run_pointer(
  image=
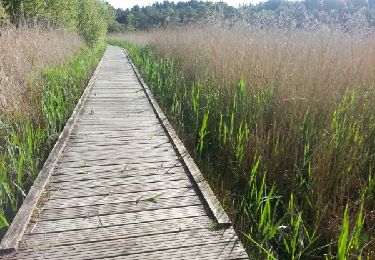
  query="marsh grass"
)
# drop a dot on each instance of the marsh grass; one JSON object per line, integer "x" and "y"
{"x": 282, "y": 125}
{"x": 24, "y": 52}
{"x": 44, "y": 74}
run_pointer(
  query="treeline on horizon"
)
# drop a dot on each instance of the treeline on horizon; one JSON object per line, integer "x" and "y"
{"x": 307, "y": 14}
{"x": 281, "y": 14}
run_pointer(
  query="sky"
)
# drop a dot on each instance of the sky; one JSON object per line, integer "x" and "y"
{"x": 130, "y": 3}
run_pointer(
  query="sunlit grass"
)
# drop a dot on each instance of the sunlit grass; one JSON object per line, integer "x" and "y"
{"x": 49, "y": 99}
{"x": 287, "y": 142}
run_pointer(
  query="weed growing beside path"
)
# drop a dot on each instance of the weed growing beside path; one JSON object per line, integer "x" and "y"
{"x": 24, "y": 52}
{"x": 294, "y": 166}
{"x": 40, "y": 86}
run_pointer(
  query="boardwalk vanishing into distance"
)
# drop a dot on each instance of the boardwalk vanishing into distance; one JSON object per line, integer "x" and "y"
{"x": 120, "y": 187}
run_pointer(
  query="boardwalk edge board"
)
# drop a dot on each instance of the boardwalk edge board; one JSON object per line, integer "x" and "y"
{"x": 205, "y": 190}
{"x": 13, "y": 236}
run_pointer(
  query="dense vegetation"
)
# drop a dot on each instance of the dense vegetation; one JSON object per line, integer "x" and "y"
{"x": 308, "y": 14}
{"x": 282, "y": 125}
{"x": 26, "y": 143}
{"x": 279, "y": 114}
{"x": 44, "y": 67}
{"x": 90, "y": 18}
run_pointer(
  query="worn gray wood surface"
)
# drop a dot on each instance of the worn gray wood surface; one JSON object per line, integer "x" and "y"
{"x": 120, "y": 190}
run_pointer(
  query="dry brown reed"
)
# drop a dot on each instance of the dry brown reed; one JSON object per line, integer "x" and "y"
{"x": 311, "y": 72}
{"x": 302, "y": 64}
{"x": 24, "y": 51}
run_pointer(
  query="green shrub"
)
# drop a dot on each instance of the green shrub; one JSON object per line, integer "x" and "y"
{"x": 3, "y": 14}
{"x": 92, "y": 24}
{"x": 91, "y": 18}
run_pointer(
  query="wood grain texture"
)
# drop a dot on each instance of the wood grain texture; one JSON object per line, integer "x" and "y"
{"x": 120, "y": 189}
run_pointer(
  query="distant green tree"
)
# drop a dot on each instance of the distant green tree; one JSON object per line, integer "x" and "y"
{"x": 110, "y": 16}
{"x": 62, "y": 12}
{"x": 3, "y": 14}
{"x": 55, "y": 12}
{"x": 126, "y": 18}
{"x": 166, "y": 13}
{"x": 92, "y": 23}
{"x": 130, "y": 20}
{"x": 13, "y": 9}
{"x": 301, "y": 14}
{"x": 33, "y": 9}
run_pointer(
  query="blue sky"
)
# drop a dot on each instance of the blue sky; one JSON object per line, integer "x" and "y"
{"x": 130, "y": 3}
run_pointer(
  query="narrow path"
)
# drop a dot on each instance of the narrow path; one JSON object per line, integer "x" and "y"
{"x": 119, "y": 189}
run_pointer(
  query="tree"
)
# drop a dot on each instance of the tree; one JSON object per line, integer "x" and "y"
{"x": 33, "y": 9}
{"x": 130, "y": 20}
{"x": 62, "y": 12}
{"x": 110, "y": 17}
{"x": 3, "y": 14}
{"x": 13, "y": 9}
{"x": 92, "y": 24}
{"x": 55, "y": 12}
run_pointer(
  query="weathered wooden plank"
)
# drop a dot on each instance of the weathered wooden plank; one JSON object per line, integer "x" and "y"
{"x": 130, "y": 163}
{"x": 62, "y": 190}
{"x": 125, "y": 141}
{"x": 105, "y": 138}
{"x": 131, "y": 197}
{"x": 145, "y": 120}
{"x": 122, "y": 130}
{"x": 124, "y": 153}
{"x": 219, "y": 251}
{"x": 92, "y": 182}
{"x": 119, "y": 152}
{"x": 84, "y": 159}
{"x": 117, "y": 247}
{"x": 136, "y": 121}
{"x": 156, "y": 176}
{"x": 117, "y": 232}
{"x": 117, "y": 171}
{"x": 112, "y": 146}
{"x": 108, "y": 138}
{"x": 93, "y": 221}
{"x": 112, "y": 134}
{"x": 106, "y": 207}
{"x": 130, "y": 101}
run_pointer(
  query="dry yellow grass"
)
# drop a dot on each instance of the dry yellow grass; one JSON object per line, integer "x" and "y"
{"x": 24, "y": 51}
{"x": 323, "y": 106}
{"x": 42, "y": 75}
{"x": 302, "y": 64}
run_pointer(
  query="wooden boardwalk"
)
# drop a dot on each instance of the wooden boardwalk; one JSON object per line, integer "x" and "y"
{"x": 120, "y": 189}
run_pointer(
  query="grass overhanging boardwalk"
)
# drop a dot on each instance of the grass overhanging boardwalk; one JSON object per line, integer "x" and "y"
{"x": 120, "y": 190}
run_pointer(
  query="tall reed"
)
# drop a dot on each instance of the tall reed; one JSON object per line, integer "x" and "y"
{"x": 282, "y": 125}
{"x": 24, "y": 52}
